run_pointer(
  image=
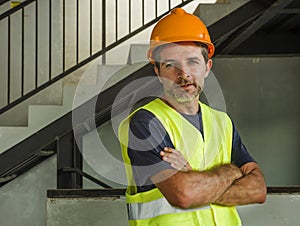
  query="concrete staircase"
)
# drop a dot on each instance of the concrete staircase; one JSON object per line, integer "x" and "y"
{"x": 97, "y": 78}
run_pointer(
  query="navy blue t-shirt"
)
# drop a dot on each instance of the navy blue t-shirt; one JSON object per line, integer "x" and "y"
{"x": 148, "y": 137}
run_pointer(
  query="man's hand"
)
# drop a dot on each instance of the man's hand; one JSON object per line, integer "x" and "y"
{"x": 176, "y": 159}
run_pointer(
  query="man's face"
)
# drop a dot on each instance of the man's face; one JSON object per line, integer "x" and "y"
{"x": 182, "y": 71}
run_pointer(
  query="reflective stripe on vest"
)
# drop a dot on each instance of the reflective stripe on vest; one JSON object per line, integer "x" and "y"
{"x": 139, "y": 211}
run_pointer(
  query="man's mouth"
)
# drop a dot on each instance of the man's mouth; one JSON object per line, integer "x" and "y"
{"x": 186, "y": 85}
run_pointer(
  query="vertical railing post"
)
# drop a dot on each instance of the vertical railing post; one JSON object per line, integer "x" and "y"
{"x": 8, "y": 59}
{"x": 36, "y": 43}
{"x": 64, "y": 36}
{"x": 116, "y": 18}
{"x": 156, "y": 8}
{"x": 143, "y": 12}
{"x": 22, "y": 54}
{"x": 68, "y": 157}
{"x": 77, "y": 31}
{"x": 129, "y": 17}
{"x": 78, "y": 159}
{"x": 91, "y": 27}
{"x": 50, "y": 39}
{"x": 104, "y": 31}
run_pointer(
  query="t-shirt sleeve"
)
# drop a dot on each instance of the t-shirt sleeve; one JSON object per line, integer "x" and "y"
{"x": 147, "y": 138}
{"x": 239, "y": 153}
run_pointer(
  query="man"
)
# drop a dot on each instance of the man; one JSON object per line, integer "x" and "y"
{"x": 185, "y": 162}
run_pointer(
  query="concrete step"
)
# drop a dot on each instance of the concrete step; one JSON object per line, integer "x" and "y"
{"x": 42, "y": 115}
{"x": 85, "y": 89}
{"x": 108, "y": 78}
{"x": 39, "y": 116}
{"x": 138, "y": 53}
{"x": 10, "y": 135}
{"x": 18, "y": 115}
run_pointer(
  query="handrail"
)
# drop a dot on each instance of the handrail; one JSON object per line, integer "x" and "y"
{"x": 17, "y": 70}
{"x": 15, "y": 9}
{"x": 3, "y": 1}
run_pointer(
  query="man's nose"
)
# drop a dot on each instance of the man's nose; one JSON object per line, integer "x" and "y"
{"x": 183, "y": 72}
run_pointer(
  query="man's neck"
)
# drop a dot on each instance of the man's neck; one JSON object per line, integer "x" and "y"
{"x": 189, "y": 108}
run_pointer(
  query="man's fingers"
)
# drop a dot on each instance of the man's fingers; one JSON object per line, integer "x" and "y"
{"x": 169, "y": 150}
{"x": 175, "y": 158}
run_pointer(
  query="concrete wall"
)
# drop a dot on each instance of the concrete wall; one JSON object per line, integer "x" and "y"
{"x": 23, "y": 201}
{"x": 86, "y": 211}
{"x": 262, "y": 96}
{"x": 279, "y": 210}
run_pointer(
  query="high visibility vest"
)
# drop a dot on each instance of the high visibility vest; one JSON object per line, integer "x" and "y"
{"x": 151, "y": 208}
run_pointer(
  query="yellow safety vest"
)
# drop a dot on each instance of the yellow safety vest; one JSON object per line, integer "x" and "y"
{"x": 151, "y": 208}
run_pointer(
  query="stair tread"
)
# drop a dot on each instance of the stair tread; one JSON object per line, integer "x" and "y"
{"x": 10, "y": 136}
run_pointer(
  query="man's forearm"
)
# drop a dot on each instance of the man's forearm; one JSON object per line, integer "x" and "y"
{"x": 214, "y": 183}
{"x": 249, "y": 189}
{"x": 194, "y": 188}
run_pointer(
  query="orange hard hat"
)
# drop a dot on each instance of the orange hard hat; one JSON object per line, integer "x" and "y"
{"x": 179, "y": 26}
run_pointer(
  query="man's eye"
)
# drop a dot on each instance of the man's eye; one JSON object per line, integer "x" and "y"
{"x": 169, "y": 64}
{"x": 194, "y": 62}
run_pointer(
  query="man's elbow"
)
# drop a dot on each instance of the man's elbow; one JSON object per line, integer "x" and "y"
{"x": 260, "y": 187}
{"x": 184, "y": 200}
{"x": 181, "y": 198}
{"x": 262, "y": 196}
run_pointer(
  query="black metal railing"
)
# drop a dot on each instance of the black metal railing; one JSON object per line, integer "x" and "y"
{"x": 2, "y": 2}
{"x": 41, "y": 40}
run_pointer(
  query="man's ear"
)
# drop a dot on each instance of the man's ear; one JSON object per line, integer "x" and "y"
{"x": 208, "y": 67}
{"x": 156, "y": 70}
